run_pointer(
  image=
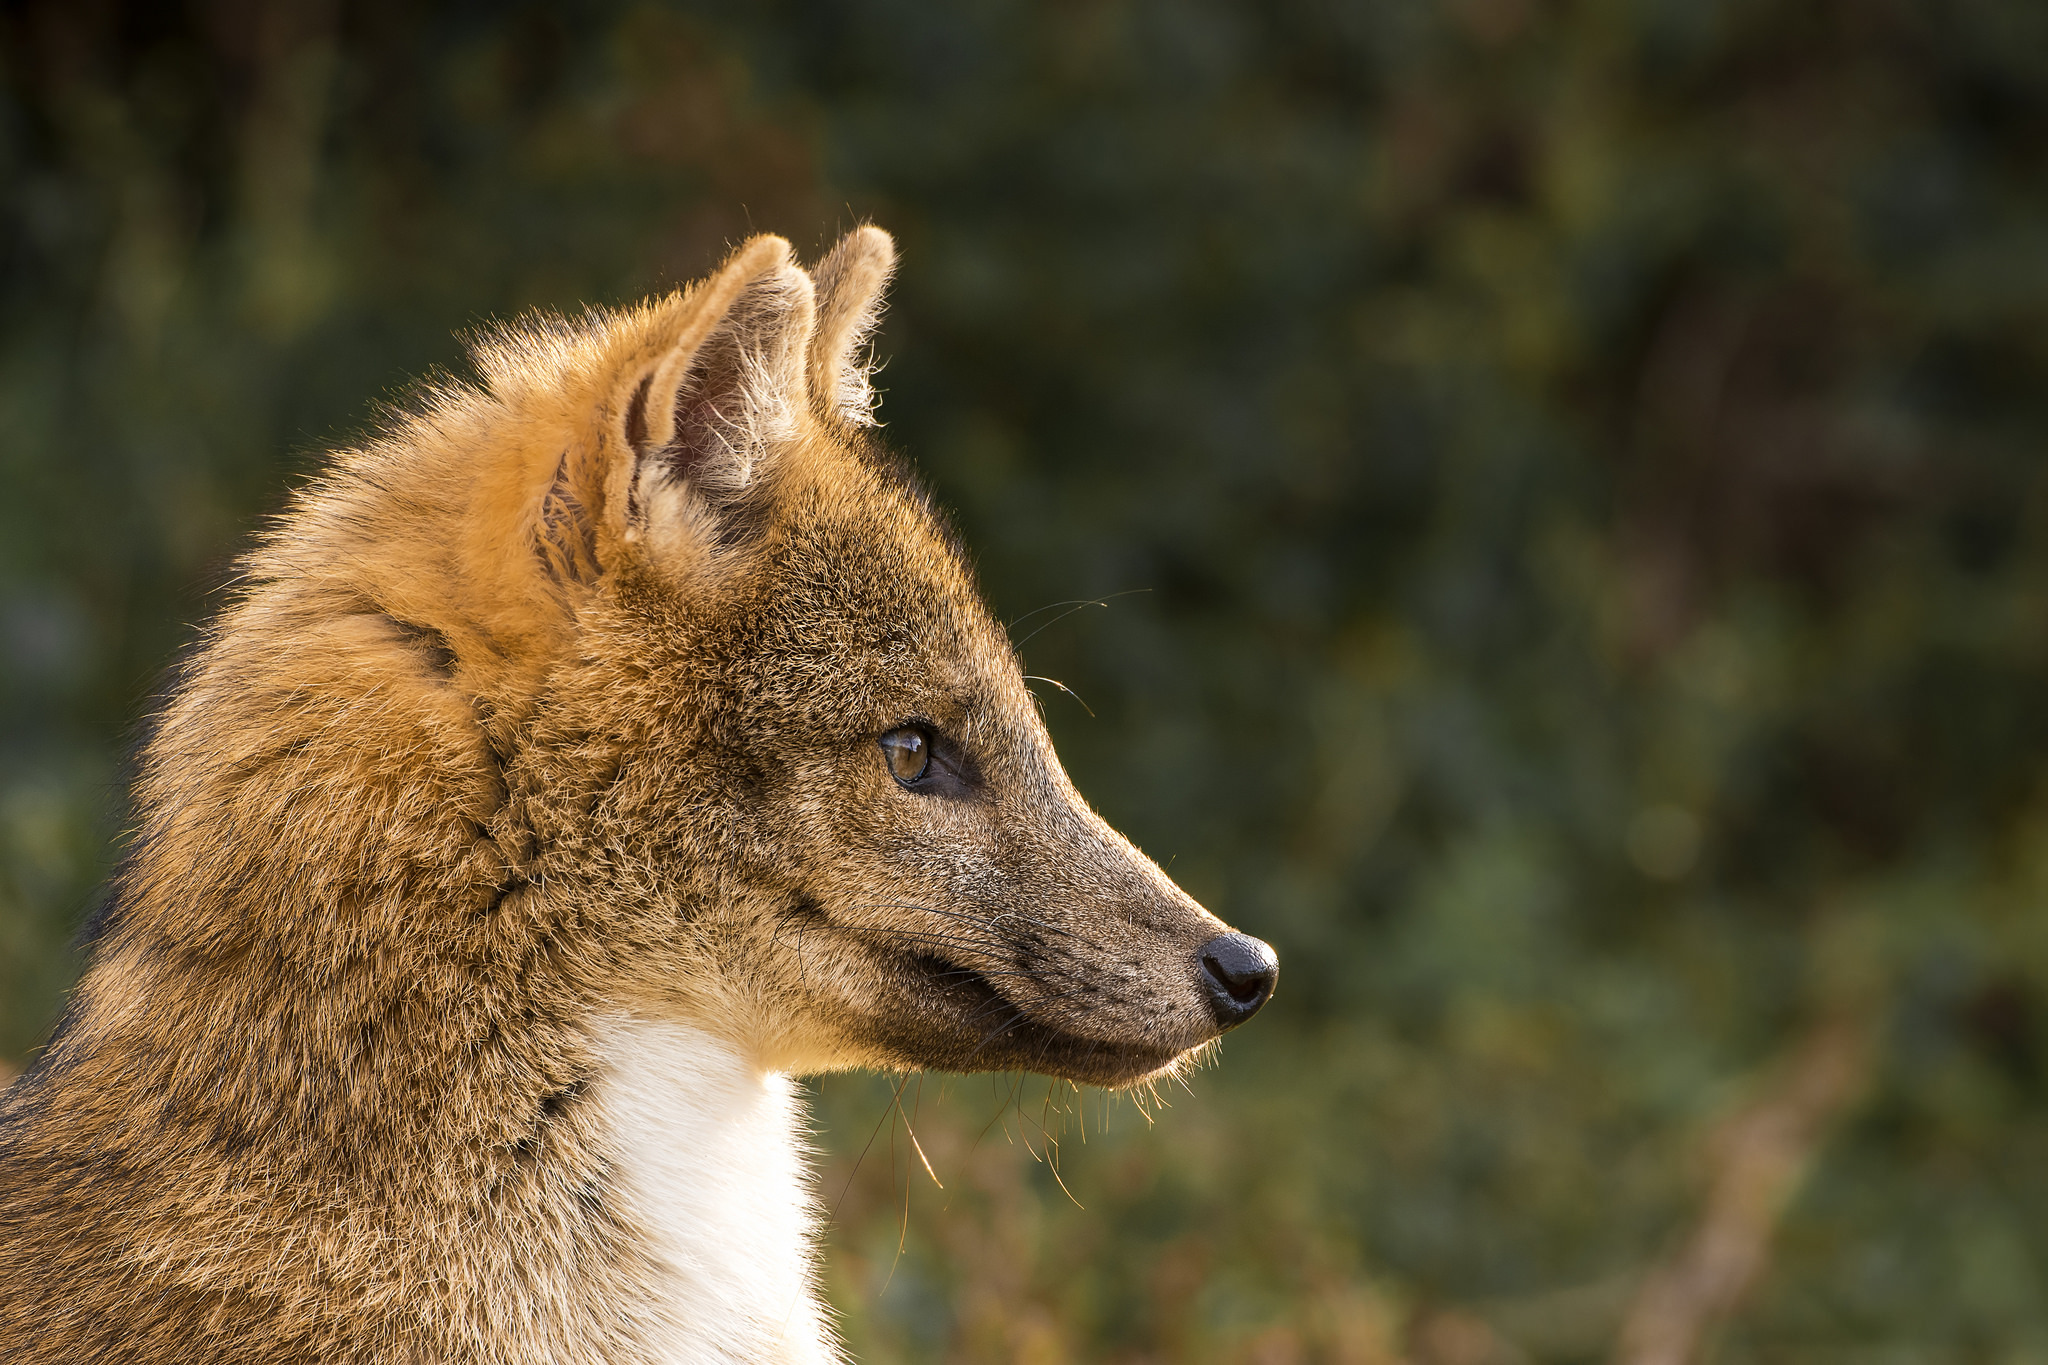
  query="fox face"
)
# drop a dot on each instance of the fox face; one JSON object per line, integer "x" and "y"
{"x": 872, "y": 855}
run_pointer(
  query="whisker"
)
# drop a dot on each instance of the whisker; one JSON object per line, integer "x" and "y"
{"x": 1001, "y": 1001}
{"x": 1040, "y": 677}
{"x": 916, "y": 1146}
{"x": 903, "y": 1235}
{"x": 1016, "y": 1018}
{"x": 1002, "y": 1108}
{"x": 1074, "y": 604}
{"x": 850, "y": 1175}
{"x": 1020, "y": 1016}
{"x": 1078, "y": 606}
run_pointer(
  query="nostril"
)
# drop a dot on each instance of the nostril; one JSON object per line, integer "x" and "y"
{"x": 1240, "y": 973}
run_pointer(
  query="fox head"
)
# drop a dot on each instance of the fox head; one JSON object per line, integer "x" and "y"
{"x": 796, "y": 744}
{"x": 755, "y": 756}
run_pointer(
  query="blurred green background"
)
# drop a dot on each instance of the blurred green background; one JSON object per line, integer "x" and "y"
{"x": 1572, "y": 476}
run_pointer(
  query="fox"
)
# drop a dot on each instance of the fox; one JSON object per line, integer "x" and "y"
{"x": 604, "y": 744}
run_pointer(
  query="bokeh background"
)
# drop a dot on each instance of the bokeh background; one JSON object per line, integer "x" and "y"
{"x": 1562, "y": 484}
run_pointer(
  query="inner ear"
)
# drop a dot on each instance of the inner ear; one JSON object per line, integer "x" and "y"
{"x": 636, "y": 416}
{"x": 732, "y": 405}
{"x": 726, "y": 397}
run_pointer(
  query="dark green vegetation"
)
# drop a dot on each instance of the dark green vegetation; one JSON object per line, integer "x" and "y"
{"x": 1576, "y": 474}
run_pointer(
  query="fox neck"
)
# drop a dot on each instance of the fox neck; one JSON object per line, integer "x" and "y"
{"x": 711, "y": 1167}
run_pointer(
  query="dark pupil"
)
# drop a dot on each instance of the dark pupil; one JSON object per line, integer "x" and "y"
{"x": 908, "y": 753}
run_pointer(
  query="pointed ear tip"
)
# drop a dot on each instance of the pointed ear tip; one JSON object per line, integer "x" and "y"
{"x": 866, "y": 248}
{"x": 768, "y": 263}
{"x": 762, "y": 253}
{"x": 876, "y": 244}
{"x": 873, "y": 238}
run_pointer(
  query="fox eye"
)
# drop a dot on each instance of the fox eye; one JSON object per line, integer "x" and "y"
{"x": 909, "y": 751}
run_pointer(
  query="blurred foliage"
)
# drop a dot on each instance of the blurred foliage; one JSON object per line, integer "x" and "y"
{"x": 1564, "y": 482}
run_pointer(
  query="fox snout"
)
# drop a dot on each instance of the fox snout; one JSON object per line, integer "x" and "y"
{"x": 1107, "y": 1003}
{"x": 999, "y": 923}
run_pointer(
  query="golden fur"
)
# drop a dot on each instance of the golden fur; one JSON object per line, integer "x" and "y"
{"x": 557, "y": 704}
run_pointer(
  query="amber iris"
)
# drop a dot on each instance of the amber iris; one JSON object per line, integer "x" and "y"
{"x": 909, "y": 751}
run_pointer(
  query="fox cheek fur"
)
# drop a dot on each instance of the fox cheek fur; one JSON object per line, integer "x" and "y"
{"x": 575, "y": 762}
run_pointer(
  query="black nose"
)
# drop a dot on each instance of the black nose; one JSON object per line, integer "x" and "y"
{"x": 1240, "y": 973}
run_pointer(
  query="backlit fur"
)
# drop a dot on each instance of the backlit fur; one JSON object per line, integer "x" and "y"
{"x": 518, "y": 830}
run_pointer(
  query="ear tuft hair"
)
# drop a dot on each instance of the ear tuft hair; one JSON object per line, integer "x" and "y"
{"x": 851, "y": 280}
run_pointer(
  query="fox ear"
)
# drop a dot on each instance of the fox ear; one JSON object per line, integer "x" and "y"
{"x": 703, "y": 420}
{"x": 850, "y": 279}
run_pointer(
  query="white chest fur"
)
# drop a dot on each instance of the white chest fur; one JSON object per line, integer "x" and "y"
{"x": 712, "y": 1171}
